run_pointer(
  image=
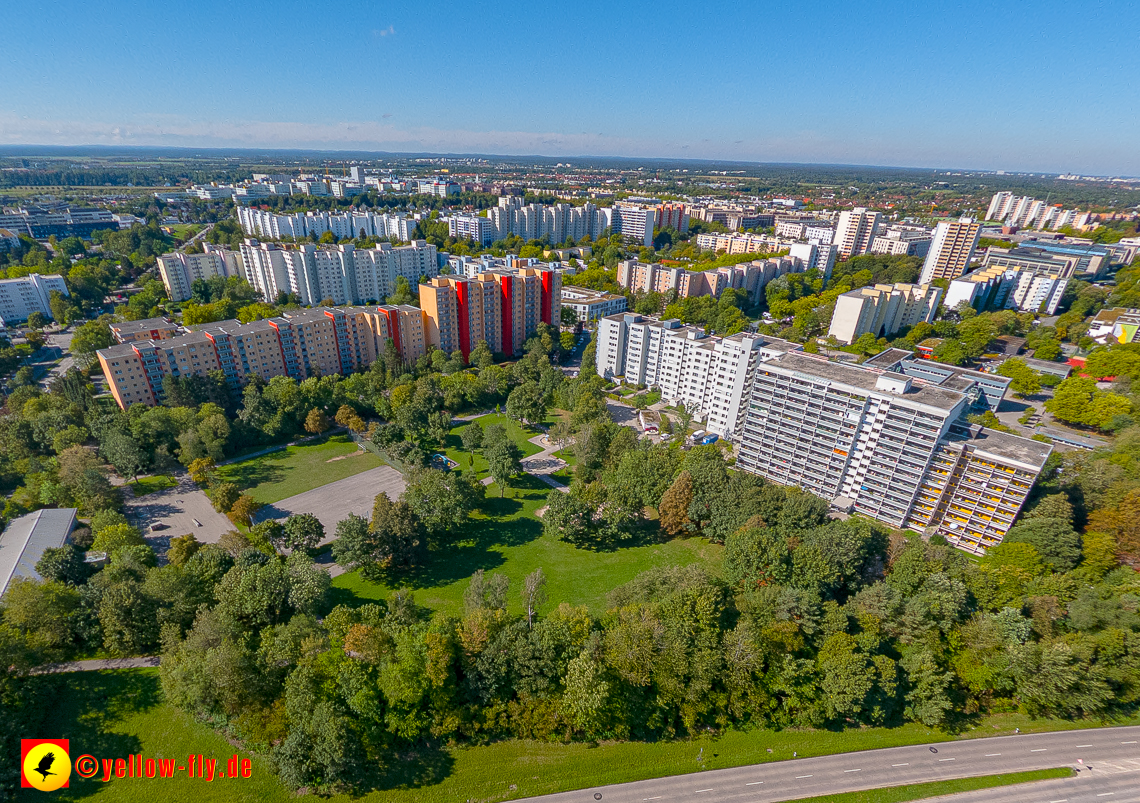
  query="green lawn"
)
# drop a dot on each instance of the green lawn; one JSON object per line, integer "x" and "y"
{"x": 148, "y": 485}
{"x": 507, "y": 537}
{"x": 922, "y": 791}
{"x": 279, "y": 475}
{"x": 453, "y": 447}
{"x": 113, "y": 714}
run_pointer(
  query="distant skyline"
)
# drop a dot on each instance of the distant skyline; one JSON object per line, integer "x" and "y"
{"x": 1040, "y": 88}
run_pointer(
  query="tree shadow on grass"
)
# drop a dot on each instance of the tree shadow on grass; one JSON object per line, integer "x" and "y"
{"x": 420, "y": 766}
{"x": 502, "y": 522}
{"x": 257, "y": 471}
{"x": 87, "y": 708}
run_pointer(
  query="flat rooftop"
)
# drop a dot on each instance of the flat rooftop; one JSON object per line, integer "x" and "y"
{"x": 1008, "y": 447}
{"x": 858, "y": 377}
{"x": 145, "y": 325}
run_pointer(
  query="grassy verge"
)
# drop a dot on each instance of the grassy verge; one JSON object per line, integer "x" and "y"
{"x": 115, "y": 713}
{"x": 922, "y": 791}
{"x": 453, "y": 446}
{"x": 288, "y": 472}
{"x": 148, "y": 485}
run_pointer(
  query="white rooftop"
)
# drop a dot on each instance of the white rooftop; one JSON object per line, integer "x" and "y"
{"x": 24, "y": 540}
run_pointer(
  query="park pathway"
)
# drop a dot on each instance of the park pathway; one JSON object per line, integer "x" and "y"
{"x": 96, "y": 664}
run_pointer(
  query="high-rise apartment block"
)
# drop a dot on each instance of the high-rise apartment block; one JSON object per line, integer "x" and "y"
{"x": 673, "y": 216}
{"x": 751, "y": 277}
{"x": 343, "y": 273}
{"x": 471, "y": 227}
{"x": 307, "y": 343}
{"x": 556, "y": 223}
{"x": 709, "y": 374}
{"x": 998, "y": 287}
{"x": 22, "y": 296}
{"x": 303, "y": 225}
{"x": 888, "y": 446}
{"x": 179, "y": 271}
{"x": 1024, "y": 212}
{"x": 882, "y": 310}
{"x": 503, "y": 307}
{"x": 951, "y": 249}
{"x": 856, "y": 231}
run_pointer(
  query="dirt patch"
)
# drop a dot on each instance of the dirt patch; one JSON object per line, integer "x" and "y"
{"x": 357, "y": 453}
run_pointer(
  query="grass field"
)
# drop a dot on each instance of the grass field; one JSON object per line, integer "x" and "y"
{"x": 923, "y": 791}
{"x": 453, "y": 447}
{"x": 148, "y": 485}
{"x": 113, "y": 714}
{"x": 279, "y": 475}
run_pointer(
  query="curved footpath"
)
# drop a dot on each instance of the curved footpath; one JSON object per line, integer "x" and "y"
{"x": 1110, "y": 772}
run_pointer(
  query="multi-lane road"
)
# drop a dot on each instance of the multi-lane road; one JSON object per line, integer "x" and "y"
{"x": 1107, "y": 760}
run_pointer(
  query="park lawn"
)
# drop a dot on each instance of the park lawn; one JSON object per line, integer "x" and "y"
{"x": 148, "y": 485}
{"x": 295, "y": 469}
{"x": 507, "y": 537}
{"x": 114, "y": 713}
{"x": 453, "y": 446}
{"x": 924, "y": 791}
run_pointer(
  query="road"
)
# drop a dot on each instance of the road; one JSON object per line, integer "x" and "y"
{"x": 1110, "y": 770}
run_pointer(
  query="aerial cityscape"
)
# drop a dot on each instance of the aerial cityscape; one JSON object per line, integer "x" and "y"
{"x": 399, "y": 440}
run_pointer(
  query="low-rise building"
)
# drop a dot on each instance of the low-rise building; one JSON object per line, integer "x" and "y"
{"x": 1119, "y": 325}
{"x": 591, "y": 305}
{"x": 27, "y": 537}
{"x": 146, "y": 329}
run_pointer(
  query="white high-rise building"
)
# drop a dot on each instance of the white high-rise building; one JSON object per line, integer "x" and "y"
{"x": 882, "y": 310}
{"x": 344, "y": 273}
{"x": 855, "y": 231}
{"x": 635, "y": 222}
{"x": 179, "y": 271}
{"x": 22, "y": 296}
{"x": 951, "y": 249}
{"x": 709, "y": 374}
{"x": 302, "y": 225}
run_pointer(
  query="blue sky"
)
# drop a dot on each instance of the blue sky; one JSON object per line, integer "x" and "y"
{"x": 1018, "y": 86}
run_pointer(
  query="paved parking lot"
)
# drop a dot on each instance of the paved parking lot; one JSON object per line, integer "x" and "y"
{"x": 182, "y": 509}
{"x": 333, "y": 502}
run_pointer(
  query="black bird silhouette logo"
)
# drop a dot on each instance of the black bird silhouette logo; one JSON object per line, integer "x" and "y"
{"x": 44, "y": 767}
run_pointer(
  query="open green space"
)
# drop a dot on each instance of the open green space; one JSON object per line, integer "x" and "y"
{"x": 114, "y": 713}
{"x": 507, "y": 537}
{"x": 148, "y": 485}
{"x": 293, "y": 470}
{"x": 923, "y": 791}
{"x": 453, "y": 446}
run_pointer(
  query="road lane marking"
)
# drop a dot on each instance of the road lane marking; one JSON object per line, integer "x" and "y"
{"x": 1106, "y": 794}
{"x": 988, "y": 755}
{"x": 1039, "y": 750}
{"x": 754, "y": 783}
{"x": 1083, "y": 745}
{"x": 702, "y": 790}
{"x": 858, "y": 770}
{"x": 1128, "y": 742}
{"x": 652, "y": 798}
{"x": 945, "y": 759}
{"x": 901, "y": 765}
{"x": 1063, "y": 800}
{"x": 804, "y": 776}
